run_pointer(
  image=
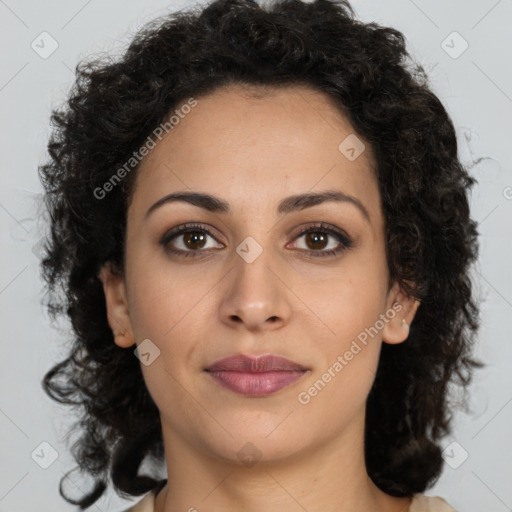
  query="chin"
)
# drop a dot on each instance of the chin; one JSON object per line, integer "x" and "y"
{"x": 257, "y": 444}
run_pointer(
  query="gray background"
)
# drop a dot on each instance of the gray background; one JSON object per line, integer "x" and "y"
{"x": 476, "y": 88}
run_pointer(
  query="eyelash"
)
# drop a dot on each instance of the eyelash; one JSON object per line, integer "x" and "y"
{"x": 346, "y": 242}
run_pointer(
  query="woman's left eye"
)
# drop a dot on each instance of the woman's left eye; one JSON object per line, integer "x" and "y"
{"x": 193, "y": 238}
{"x": 320, "y": 237}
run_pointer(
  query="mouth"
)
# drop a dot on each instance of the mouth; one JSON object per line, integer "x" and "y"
{"x": 256, "y": 376}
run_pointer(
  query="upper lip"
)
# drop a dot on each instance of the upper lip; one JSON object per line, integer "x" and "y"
{"x": 255, "y": 364}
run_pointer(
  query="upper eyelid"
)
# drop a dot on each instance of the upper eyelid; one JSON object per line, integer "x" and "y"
{"x": 179, "y": 230}
{"x": 324, "y": 227}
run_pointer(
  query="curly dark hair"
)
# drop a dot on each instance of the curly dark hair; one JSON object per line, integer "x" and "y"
{"x": 431, "y": 241}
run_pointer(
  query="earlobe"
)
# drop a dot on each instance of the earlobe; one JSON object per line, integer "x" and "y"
{"x": 117, "y": 306}
{"x": 396, "y": 330}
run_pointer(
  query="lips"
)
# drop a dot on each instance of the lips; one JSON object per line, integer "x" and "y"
{"x": 255, "y": 376}
{"x": 267, "y": 363}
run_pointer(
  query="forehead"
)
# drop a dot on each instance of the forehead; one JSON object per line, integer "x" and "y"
{"x": 259, "y": 145}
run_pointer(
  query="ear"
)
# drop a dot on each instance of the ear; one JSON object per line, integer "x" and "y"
{"x": 396, "y": 329}
{"x": 117, "y": 306}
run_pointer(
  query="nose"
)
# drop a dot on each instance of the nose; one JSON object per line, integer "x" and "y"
{"x": 256, "y": 295}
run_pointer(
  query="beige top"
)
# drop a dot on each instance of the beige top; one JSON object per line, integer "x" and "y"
{"x": 419, "y": 503}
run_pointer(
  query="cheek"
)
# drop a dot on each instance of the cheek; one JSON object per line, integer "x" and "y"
{"x": 348, "y": 343}
{"x": 347, "y": 311}
{"x": 348, "y": 301}
{"x": 171, "y": 309}
{"x": 164, "y": 299}
{"x": 167, "y": 310}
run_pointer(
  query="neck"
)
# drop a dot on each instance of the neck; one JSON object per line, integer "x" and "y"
{"x": 330, "y": 478}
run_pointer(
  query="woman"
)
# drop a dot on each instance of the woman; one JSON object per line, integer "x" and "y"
{"x": 262, "y": 229}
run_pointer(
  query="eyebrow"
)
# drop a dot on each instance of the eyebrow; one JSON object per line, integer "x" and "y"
{"x": 289, "y": 204}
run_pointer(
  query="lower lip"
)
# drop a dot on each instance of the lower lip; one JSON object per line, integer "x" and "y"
{"x": 256, "y": 384}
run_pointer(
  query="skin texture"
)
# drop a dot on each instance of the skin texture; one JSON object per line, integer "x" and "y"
{"x": 252, "y": 153}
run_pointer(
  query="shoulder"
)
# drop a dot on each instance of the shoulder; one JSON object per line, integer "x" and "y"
{"x": 422, "y": 503}
{"x": 146, "y": 504}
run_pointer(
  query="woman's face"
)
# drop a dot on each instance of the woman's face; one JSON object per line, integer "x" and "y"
{"x": 245, "y": 280}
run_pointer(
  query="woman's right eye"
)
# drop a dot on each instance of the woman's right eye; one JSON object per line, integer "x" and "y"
{"x": 188, "y": 240}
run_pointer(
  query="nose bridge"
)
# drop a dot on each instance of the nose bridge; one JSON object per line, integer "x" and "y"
{"x": 253, "y": 277}
{"x": 256, "y": 296}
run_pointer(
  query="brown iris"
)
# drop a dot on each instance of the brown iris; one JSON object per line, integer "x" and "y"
{"x": 194, "y": 237}
{"x": 316, "y": 238}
